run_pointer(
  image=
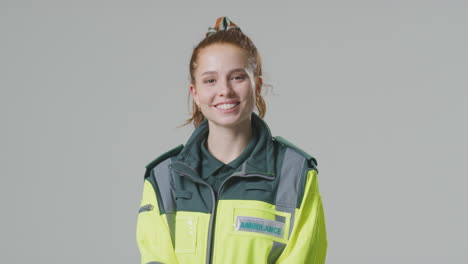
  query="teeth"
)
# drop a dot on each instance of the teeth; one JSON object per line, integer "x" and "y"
{"x": 226, "y": 106}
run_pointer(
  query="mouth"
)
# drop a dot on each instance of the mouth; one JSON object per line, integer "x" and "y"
{"x": 226, "y": 108}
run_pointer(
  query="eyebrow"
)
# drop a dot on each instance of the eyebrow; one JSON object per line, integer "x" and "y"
{"x": 231, "y": 71}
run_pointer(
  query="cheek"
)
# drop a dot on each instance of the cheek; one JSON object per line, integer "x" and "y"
{"x": 205, "y": 97}
{"x": 244, "y": 90}
{"x": 250, "y": 94}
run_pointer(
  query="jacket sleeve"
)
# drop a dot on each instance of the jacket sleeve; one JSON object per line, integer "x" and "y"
{"x": 308, "y": 240}
{"x": 152, "y": 234}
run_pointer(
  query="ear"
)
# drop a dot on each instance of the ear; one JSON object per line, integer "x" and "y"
{"x": 193, "y": 91}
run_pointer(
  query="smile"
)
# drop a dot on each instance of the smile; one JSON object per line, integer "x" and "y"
{"x": 227, "y": 108}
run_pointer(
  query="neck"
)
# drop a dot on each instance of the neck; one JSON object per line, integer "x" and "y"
{"x": 227, "y": 143}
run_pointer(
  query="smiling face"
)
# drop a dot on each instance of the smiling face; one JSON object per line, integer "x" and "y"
{"x": 224, "y": 87}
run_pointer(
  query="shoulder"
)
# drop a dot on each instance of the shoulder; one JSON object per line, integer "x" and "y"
{"x": 170, "y": 153}
{"x": 312, "y": 162}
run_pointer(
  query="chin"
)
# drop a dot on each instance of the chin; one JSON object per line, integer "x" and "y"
{"x": 225, "y": 122}
{"x": 228, "y": 121}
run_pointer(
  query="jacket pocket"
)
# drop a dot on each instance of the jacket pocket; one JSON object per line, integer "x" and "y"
{"x": 183, "y": 195}
{"x": 259, "y": 186}
{"x": 186, "y": 227}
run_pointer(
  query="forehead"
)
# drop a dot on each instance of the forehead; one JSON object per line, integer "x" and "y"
{"x": 221, "y": 57}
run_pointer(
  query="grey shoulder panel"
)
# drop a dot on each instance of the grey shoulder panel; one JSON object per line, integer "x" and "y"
{"x": 312, "y": 161}
{"x": 162, "y": 180}
{"x": 165, "y": 184}
{"x": 165, "y": 156}
{"x": 290, "y": 186}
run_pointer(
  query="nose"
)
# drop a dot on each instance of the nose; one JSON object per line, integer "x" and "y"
{"x": 225, "y": 88}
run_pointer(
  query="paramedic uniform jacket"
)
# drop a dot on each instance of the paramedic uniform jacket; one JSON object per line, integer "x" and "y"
{"x": 269, "y": 210}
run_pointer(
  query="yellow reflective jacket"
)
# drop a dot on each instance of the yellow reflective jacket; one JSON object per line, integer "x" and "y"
{"x": 268, "y": 211}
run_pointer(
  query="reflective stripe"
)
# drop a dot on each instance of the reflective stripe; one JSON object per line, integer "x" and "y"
{"x": 171, "y": 223}
{"x": 288, "y": 187}
{"x": 275, "y": 252}
{"x": 164, "y": 178}
{"x": 291, "y": 173}
{"x": 292, "y": 211}
{"x": 280, "y": 218}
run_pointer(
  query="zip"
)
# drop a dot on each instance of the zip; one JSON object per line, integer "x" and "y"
{"x": 214, "y": 207}
{"x": 242, "y": 176}
{"x": 210, "y": 239}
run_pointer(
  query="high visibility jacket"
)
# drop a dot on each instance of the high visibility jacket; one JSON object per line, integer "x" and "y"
{"x": 268, "y": 211}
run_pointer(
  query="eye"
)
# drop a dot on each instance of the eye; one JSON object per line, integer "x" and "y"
{"x": 208, "y": 81}
{"x": 239, "y": 77}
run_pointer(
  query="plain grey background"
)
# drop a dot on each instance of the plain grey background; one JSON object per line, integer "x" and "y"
{"x": 92, "y": 91}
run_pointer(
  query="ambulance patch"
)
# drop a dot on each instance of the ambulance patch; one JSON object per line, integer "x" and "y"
{"x": 260, "y": 225}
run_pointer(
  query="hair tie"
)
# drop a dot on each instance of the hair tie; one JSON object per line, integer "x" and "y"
{"x": 222, "y": 24}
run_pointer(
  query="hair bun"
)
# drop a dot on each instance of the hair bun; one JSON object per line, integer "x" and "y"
{"x": 222, "y": 24}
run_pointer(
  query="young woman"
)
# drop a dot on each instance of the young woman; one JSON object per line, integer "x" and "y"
{"x": 233, "y": 193}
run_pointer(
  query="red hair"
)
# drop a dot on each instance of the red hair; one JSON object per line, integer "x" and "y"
{"x": 238, "y": 39}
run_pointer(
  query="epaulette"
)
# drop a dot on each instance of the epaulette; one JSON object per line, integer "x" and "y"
{"x": 312, "y": 160}
{"x": 164, "y": 156}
